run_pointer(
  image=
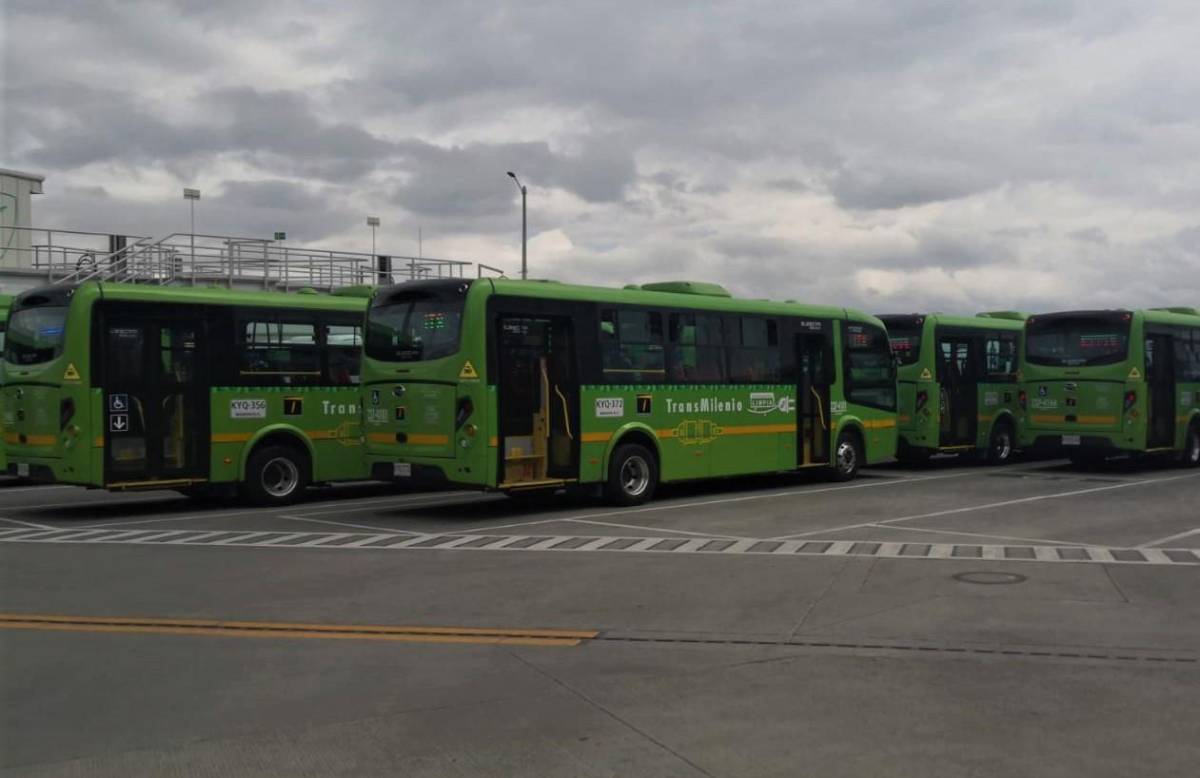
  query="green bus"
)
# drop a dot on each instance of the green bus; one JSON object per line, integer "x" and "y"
{"x": 958, "y": 383}
{"x": 1101, "y": 383}
{"x": 130, "y": 386}
{"x": 528, "y": 386}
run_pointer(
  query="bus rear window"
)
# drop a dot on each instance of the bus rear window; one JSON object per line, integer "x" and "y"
{"x": 417, "y": 325}
{"x": 1077, "y": 341}
{"x": 35, "y": 335}
{"x": 906, "y": 345}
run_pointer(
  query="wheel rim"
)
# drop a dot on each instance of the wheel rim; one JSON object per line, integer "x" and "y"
{"x": 1002, "y": 446}
{"x": 635, "y": 476}
{"x": 280, "y": 477}
{"x": 847, "y": 457}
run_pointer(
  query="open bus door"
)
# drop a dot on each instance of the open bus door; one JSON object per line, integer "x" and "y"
{"x": 538, "y": 401}
{"x": 155, "y": 401}
{"x": 1160, "y": 386}
{"x": 958, "y": 375}
{"x": 812, "y": 399}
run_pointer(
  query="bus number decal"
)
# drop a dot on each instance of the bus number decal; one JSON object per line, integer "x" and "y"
{"x": 247, "y": 409}
{"x": 610, "y": 407}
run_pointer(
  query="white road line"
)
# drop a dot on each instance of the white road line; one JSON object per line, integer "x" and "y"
{"x": 27, "y": 523}
{"x": 658, "y": 529}
{"x": 347, "y": 524}
{"x": 1169, "y": 538}
{"x": 988, "y": 506}
{"x": 910, "y": 528}
{"x": 39, "y": 487}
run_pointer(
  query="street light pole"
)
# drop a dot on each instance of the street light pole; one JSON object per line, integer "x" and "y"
{"x": 521, "y": 186}
{"x": 372, "y": 222}
{"x": 192, "y": 195}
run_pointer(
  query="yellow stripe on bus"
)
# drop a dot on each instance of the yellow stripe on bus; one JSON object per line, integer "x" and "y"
{"x": 428, "y": 440}
{"x": 14, "y": 439}
{"x": 879, "y": 424}
{"x": 230, "y": 437}
{"x": 758, "y": 429}
{"x": 595, "y": 437}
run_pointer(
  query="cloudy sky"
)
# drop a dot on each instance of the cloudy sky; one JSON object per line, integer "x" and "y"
{"x": 893, "y": 155}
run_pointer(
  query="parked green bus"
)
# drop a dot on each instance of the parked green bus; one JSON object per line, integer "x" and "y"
{"x": 527, "y": 386}
{"x": 958, "y": 383}
{"x": 129, "y": 386}
{"x": 1100, "y": 383}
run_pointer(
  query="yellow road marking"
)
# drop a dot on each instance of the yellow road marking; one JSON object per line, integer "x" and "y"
{"x": 268, "y": 629}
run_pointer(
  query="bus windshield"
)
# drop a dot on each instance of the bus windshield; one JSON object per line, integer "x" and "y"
{"x": 416, "y": 325}
{"x": 1077, "y": 341}
{"x": 35, "y": 335}
{"x": 906, "y": 344}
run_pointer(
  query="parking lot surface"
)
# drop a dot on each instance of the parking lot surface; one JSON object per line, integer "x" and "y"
{"x": 945, "y": 620}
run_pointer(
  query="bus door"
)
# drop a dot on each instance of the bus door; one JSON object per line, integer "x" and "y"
{"x": 812, "y": 399}
{"x": 538, "y": 399}
{"x": 957, "y": 374}
{"x": 1160, "y": 387}
{"x": 155, "y": 411}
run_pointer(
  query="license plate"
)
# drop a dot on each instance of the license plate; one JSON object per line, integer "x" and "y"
{"x": 23, "y": 469}
{"x": 402, "y": 470}
{"x": 1071, "y": 440}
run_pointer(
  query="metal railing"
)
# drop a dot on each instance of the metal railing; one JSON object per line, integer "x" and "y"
{"x": 183, "y": 258}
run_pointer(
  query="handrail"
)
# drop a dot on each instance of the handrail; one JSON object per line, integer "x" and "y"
{"x": 566, "y": 411}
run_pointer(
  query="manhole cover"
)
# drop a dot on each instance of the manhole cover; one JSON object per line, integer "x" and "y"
{"x": 988, "y": 577}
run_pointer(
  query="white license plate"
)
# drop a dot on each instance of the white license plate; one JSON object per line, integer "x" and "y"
{"x": 402, "y": 470}
{"x": 23, "y": 469}
{"x": 1071, "y": 440}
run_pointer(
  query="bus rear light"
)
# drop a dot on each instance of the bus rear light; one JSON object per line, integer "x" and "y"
{"x": 922, "y": 399}
{"x": 66, "y": 412}
{"x": 1130, "y": 399}
{"x": 1023, "y": 399}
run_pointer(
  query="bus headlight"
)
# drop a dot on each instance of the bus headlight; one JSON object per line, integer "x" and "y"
{"x": 470, "y": 430}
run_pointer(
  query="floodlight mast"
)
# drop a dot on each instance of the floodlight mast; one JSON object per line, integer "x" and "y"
{"x": 521, "y": 186}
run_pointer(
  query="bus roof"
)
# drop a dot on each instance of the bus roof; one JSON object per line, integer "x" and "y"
{"x": 671, "y": 294}
{"x": 1175, "y": 316}
{"x": 999, "y": 320}
{"x": 201, "y": 295}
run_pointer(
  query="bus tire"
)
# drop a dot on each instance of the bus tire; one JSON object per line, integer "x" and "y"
{"x": 276, "y": 475}
{"x": 1191, "y": 447}
{"x": 632, "y": 475}
{"x": 847, "y": 455}
{"x": 1001, "y": 444}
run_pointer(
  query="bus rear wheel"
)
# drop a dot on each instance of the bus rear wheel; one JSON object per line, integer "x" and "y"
{"x": 276, "y": 475}
{"x": 1000, "y": 446}
{"x": 848, "y": 456}
{"x": 1191, "y": 447}
{"x": 632, "y": 475}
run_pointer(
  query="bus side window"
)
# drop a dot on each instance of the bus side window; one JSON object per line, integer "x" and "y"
{"x": 1187, "y": 355}
{"x": 343, "y": 345}
{"x": 697, "y": 353}
{"x": 1000, "y": 350}
{"x": 632, "y": 346}
{"x": 754, "y": 358}
{"x": 274, "y": 352}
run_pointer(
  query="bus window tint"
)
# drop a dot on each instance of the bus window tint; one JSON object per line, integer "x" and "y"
{"x": 343, "y": 342}
{"x": 632, "y": 347}
{"x": 415, "y": 326}
{"x": 906, "y": 345}
{"x": 1077, "y": 341}
{"x": 35, "y": 335}
{"x": 870, "y": 369}
{"x": 1187, "y": 355}
{"x": 695, "y": 352}
{"x": 1000, "y": 355}
{"x": 280, "y": 352}
{"x": 756, "y": 359}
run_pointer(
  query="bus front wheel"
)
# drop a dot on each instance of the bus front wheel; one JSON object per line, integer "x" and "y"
{"x": 1191, "y": 447}
{"x": 632, "y": 475}
{"x": 275, "y": 475}
{"x": 848, "y": 456}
